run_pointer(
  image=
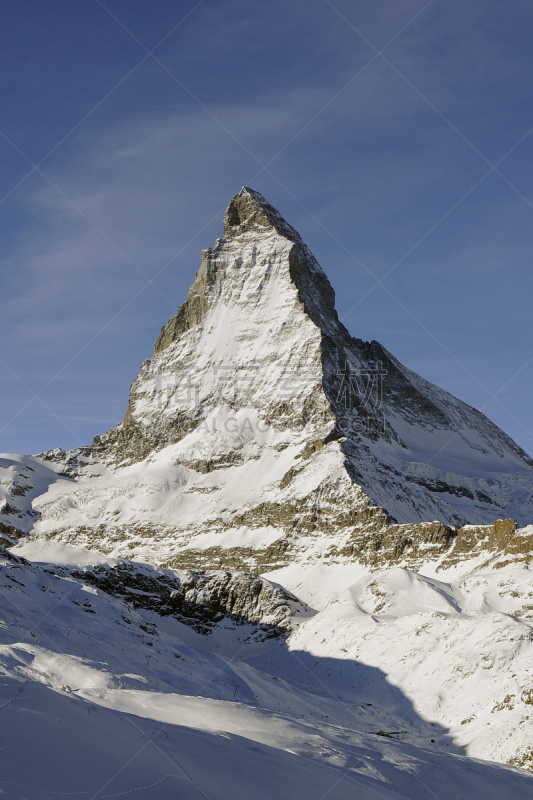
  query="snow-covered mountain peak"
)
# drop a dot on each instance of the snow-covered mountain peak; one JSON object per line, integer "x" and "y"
{"x": 249, "y": 210}
{"x": 261, "y": 432}
{"x": 261, "y": 261}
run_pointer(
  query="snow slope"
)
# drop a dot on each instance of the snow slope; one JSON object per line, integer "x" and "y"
{"x": 461, "y": 651}
{"x": 22, "y": 480}
{"x": 100, "y": 700}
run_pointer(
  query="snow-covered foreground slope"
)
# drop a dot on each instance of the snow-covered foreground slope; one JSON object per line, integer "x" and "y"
{"x": 74, "y": 748}
{"x": 99, "y": 699}
{"x": 461, "y": 651}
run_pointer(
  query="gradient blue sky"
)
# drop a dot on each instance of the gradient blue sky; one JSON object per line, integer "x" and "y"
{"x": 397, "y": 137}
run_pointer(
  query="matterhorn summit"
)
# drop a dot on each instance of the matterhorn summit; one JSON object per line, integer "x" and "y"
{"x": 260, "y": 431}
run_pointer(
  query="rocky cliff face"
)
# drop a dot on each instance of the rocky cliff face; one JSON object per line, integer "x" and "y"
{"x": 261, "y": 431}
{"x": 200, "y": 599}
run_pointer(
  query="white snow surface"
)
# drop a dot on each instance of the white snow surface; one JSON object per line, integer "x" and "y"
{"x": 109, "y": 708}
{"x": 461, "y": 651}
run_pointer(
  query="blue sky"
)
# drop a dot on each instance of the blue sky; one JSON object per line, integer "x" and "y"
{"x": 397, "y": 137}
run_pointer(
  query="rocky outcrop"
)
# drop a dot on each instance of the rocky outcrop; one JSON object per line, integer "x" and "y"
{"x": 366, "y": 537}
{"x": 393, "y": 544}
{"x": 414, "y": 545}
{"x": 9, "y": 535}
{"x": 498, "y": 543}
{"x": 200, "y": 599}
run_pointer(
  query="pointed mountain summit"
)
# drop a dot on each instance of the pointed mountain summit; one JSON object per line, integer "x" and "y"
{"x": 260, "y": 431}
{"x": 250, "y": 215}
